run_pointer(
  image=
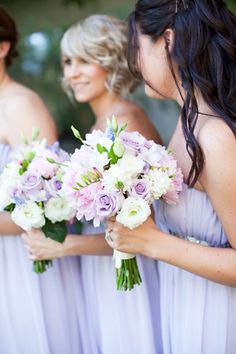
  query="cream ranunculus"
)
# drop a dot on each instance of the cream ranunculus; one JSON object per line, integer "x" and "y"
{"x": 159, "y": 183}
{"x": 134, "y": 212}
{"x": 58, "y": 209}
{"x": 28, "y": 216}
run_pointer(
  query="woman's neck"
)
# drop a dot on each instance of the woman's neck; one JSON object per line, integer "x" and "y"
{"x": 103, "y": 106}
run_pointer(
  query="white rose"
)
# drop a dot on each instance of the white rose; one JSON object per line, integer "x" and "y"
{"x": 28, "y": 216}
{"x": 133, "y": 212}
{"x": 58, "y": 209}
{"x": 159, "y": 183}
{"x": 131, "y": 164}
{"x": 116, "y": 179}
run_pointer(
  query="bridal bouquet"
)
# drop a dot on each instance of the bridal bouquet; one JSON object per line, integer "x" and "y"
{"x": 119, "y": 173}
{"x": 30, "y": 190}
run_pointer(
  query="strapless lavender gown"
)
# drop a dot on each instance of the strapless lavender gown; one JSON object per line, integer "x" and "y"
{"x": 121, "y": 322}
{"x": 198, "y": 316}
{"x": 39, "y": 314}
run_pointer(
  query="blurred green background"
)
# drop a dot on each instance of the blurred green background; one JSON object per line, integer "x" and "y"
{"x": 41, "y": 25}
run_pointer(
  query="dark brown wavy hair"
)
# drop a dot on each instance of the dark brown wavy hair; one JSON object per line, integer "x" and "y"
{"x": 8, "y": 33}
{"x": 205, "y": 52}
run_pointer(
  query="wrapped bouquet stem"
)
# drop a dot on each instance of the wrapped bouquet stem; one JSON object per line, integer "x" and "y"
{"x": 127, "y": 272}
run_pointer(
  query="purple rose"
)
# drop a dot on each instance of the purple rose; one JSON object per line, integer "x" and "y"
{"x": 108, "y": 203}
{"x": 132, "y": 140}
{"x": 140, "y": 188}
{"x": 31, "y": 184}
{"x": 31, "y": 181}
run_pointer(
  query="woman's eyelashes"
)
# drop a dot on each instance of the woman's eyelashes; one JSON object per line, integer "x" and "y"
{"x": 68, "y": 61}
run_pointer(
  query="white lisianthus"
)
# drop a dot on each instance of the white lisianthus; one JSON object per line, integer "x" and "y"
{"x": 8, "y": 180}
{"x": 133, "y": 212}
{"x": 58, "y": 209}
{"x": 131, "y": 164}
{"x": 116, "y": 179}
{"x": 28, "y": 216}
{"x": 159, "y": 183}
{"x": 5, "y": 198}
{"x": 10, "y": 174}
{"x": 98, "y": 137}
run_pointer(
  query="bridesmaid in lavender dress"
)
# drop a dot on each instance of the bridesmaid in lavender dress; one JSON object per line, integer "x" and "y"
{"x": 39, "y": 314}
{"x": 193, "y": 45}
{"x": 95, "y": 69}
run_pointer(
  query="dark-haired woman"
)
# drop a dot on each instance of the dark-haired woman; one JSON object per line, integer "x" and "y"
{"x": 186, "y": 51}
{"x": 39, "y": 314}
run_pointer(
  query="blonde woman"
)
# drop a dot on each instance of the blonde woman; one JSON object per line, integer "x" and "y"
{"x": 39, "y": 314}
{"x": 96, "y": 71}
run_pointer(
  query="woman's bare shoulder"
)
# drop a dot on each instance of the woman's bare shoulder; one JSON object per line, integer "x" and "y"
{"x": 137, "y": 119}
{"x": 22, "y": 109}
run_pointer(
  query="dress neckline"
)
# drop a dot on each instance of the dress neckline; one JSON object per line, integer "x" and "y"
{"x": 193, "y": 189}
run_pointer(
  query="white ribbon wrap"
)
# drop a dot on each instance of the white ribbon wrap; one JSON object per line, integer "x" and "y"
{"x": 121, "y": 255}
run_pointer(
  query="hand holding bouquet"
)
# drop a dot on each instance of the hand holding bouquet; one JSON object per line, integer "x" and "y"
{"x": 119, "y": 173}
{"x": 30, "y": 190}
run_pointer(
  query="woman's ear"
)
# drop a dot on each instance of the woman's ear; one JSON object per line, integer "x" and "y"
{"x": 169, "y": 38}
{"x": 4, "y": 49}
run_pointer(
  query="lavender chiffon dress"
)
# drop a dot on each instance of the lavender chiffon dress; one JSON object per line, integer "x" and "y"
{"x": 198, "y": 316}
{"x": 39, "y": 314}
{"x": 121, "y": 322}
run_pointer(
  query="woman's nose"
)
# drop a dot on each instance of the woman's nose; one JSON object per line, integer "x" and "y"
{"x": 74, "y": 70}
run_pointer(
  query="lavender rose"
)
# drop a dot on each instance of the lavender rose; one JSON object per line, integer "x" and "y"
{"x": 132, "y": 140}
{"x": 141, "y": 189}
{"x": 31, "y": 184}
{"x": 31, "y": 181}
{"x": 108, "y": 203}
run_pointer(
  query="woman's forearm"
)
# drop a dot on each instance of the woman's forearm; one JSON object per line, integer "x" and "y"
{"x": 7, "y": 226}
{"x": 86, "y": 245}
{"x": 212, "y": 263}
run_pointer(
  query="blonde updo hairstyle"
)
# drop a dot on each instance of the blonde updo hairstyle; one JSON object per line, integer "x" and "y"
{"x": 101, "y": 39}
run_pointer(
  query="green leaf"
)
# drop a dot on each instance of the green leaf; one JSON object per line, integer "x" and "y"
{"x": 10, "y": 208}
{"x": 21, "y": 171}
{"x": 56, "y": 232}
{"x": 25, "y": 165}
{"x": 113, "y": 157}
{"x": 101, "y": 149}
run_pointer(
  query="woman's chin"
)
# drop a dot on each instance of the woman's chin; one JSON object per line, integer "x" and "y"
{"x": 82, "y": 98}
